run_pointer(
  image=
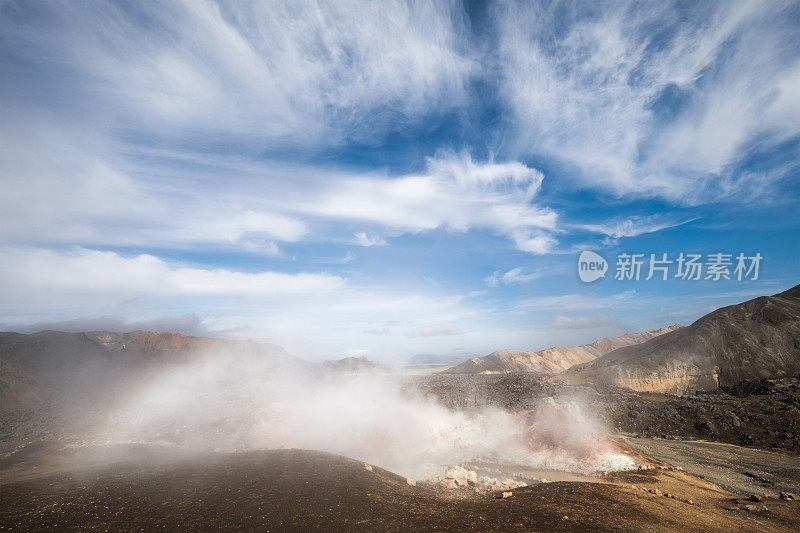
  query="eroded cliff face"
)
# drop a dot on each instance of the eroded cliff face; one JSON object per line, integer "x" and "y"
{"x": 755, "y": 339}
{"x": 552, "y": 360}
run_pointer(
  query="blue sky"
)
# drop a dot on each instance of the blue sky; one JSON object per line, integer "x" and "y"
{"x": 390, "y": 179}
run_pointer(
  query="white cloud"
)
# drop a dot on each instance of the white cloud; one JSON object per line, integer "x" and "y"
{"x": 584, "y": 322}
{"x": 456, "y": 193}
{"x": 650, "y": 99}
{"x": 365, "y": 239}
{"x": 435, "y": 331}
{"x": 634, "y": 226}
{"x": 75, "y": 190}
{"x": 90, "y": 275}
{"x": 377, "y": 331}
{"x": 313, "y": 72}
{"x": 515, "y": 275}
{"x": 578, "y": 301}
{"x": 72, "y": 188}
{"x": 187, "y": 324}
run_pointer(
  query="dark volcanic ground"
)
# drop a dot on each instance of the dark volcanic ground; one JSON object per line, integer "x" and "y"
{"x": 48, "y": 486}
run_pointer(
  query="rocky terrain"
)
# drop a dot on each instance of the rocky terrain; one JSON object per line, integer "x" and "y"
{"x": 755, "y": 339}
{"x": 551, "y": 360}
{"x": 762, "y": 413}
{"x": 126, "y": 488}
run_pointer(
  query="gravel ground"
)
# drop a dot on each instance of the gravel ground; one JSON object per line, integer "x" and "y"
{"x": 47, "y": 486}
{"x": 736, "y": 469}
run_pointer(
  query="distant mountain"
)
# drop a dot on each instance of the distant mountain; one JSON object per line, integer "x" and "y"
{"x": 433, "y": 359}
{"x": 53, "y": 368}
{"x": 552, "y": 359}
{"x": 755, "y": 339}
{"x": 354, "y": 365}
{"x": 58, "y": 353}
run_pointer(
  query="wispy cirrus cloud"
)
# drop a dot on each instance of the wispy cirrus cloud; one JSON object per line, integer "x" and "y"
{"x": 634, "y": 226}
{"x": 369, "y": 239}
{"x": 306, "y": 72}
{"x": 513, "y": 276}
{"x": 76, "y": 189}
{"x": 584, "y": 322}
{"x": 652, "y": 99}
{"x": 578, "y": 301}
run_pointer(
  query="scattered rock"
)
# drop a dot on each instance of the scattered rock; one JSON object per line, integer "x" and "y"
{"x": 706, "y": 427}
{"x": 461, "y": 476}
{"x": 754, "y": 507}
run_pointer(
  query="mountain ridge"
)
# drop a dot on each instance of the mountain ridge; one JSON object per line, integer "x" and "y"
{"x": 551, "y": 360}
{"x": 750, "y": 340}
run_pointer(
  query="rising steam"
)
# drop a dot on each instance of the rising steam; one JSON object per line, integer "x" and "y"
{"x": 235, "y": 403}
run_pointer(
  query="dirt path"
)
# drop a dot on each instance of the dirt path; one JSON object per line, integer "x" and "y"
{"x": 736, "y": 469}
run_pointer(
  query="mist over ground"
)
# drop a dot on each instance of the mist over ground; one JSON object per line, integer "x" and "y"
{"x": 237, "y": 402}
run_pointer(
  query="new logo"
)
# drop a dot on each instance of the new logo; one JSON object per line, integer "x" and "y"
{"x": 591, "y": 266}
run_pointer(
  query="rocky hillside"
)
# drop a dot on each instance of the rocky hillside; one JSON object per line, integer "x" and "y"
{"x": 52, "y": 367}
{"x": 552, "y": 359}
{"x": 762, "y": 413}
{"x": 755, "y": 339}
{"x": 55, "y": 352}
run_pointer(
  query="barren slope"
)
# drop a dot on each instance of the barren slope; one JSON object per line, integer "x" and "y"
{"x": 55, "y": 352}
{"x": 552, "y": 359}
{"x": 755, "y": 339}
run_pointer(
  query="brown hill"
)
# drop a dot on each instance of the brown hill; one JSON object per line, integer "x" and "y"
{"x": 55, "y": 352}
{"x": 755, "y": 339}
{"x": 552, "y": 359}
{"x": 353, "y": 365}
{"x": 53, "y": 371}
